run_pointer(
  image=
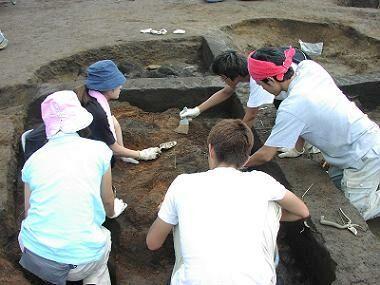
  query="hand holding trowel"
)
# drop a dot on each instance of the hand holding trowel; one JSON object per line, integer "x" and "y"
{"x": 187, "y": 114}
{"x": 152, "y": 151}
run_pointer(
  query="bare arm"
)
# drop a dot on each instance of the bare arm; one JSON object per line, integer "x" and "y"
{"x": 294, "y": 208}
{"x": 119, "y": 150}
{"x": 157, "y": 234}
{"x": 217, "y": 98}
{"x": 250, "y": 115}
{"x": 106, "y": 193}
{"x": 263, "y": 155}
{"x": 26, "y": 199}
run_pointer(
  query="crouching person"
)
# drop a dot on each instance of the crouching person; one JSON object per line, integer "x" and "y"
{"x": 68, "y": 193}
{"x": 226, "y": 221}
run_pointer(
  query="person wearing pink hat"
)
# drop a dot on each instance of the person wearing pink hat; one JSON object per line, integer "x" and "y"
{"x": 68, "y": 194}
{"x": 317, "y": 110}
{"x": 103, "y": 84}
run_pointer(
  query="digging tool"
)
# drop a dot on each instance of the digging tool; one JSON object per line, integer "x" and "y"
{"x": 183, "y": 127}
{"x": 347, "y": 224}
{"x": 167, "y": 145}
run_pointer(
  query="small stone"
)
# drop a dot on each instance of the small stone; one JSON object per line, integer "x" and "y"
{"x": 153, "y": 66}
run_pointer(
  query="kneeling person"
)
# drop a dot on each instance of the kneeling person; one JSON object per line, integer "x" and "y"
{"x": 221, "y": 215}
{"x": 67, "y": 196}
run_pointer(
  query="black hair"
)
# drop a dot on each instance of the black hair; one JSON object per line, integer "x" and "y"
{"x": 275, "y": 55}
{"x": 230, "y": 64}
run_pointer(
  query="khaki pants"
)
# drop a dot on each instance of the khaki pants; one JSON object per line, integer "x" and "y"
{"x": 269, "y": 241}
{"x": 361, "y": 186}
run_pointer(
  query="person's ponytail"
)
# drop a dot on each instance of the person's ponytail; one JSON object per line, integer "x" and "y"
{"x": 82, "y": 93}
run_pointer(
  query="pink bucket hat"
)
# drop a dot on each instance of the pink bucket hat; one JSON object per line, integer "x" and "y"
{"x": 62, "y": 111}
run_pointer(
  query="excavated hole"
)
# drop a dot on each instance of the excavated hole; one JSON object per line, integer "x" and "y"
{"x": 143, "y": 186}
{"x": 360, "y": 3}
{"x": 144, "y": 59}
{"x": 346, "y": 51}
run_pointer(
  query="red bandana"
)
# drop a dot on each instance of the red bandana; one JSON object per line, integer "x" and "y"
{"x": 260, "y": 70}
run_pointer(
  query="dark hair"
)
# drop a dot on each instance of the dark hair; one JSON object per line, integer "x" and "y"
{"x": 82, "y": 93}
{"x": 230, "y": 64}
{"x": 275, "y": 55}
{"x": 232, "y": 141}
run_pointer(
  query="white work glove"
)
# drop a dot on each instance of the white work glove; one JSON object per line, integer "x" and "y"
{"x": 189, "y": 112}
{"x": 289, "y": 152}
{"x": 129, "y": 160}
{"x": 118, "y": 206}
{"x": 149, "y": 153}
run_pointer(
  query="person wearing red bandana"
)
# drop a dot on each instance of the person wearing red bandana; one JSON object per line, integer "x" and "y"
{"x": 317, "y": 110}
{"x": 232, "y": 69}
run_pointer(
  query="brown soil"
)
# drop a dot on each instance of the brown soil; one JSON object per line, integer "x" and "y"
{"x": 9, "y": 274}
{"x": 144, "y": 186}
{"x": 42, "y": 33}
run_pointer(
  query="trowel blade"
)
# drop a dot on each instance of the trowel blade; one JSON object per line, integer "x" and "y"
{"x": 353, "y": 230}
{"x": 183, "y": 127}
{"x": 167, "y": 145}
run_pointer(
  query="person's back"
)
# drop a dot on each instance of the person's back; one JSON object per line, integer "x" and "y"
{"x": 224, "y": 233}
{"x": 317, "y": 101}
{"x": 68, "y": 193}
{"x": 65, "y": 177}
{"x": 220, "y": 217}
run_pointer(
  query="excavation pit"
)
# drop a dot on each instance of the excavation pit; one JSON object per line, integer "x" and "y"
{"x": 360, "y": 3}
{"x": 148, "y": 112}
{"x": 143, "y": 186}
{"x": 180, "y": 57}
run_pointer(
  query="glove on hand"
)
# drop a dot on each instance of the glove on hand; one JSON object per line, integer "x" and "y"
{"x": 189, "y": 112}
{"x": 289, "y": 152}
{"x": 149, "y": 153}
{"x": 129, "y": 160}
{"x": 118, "y": 206}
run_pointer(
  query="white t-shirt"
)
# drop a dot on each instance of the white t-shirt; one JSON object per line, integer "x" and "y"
{"x": 66, "y": 214}
{"x": 258, "y": 96}
{"x": 220, "y": 220}
{"x": 318, "y": 111}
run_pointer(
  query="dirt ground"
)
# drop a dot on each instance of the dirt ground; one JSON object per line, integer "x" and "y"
{"x": 143, "y": 186}
{"x": 41, "y": 32}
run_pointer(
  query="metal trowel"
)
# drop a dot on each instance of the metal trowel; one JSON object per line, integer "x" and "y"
{"x": 183, "y": 127}
{"x": 167, "y": 145}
